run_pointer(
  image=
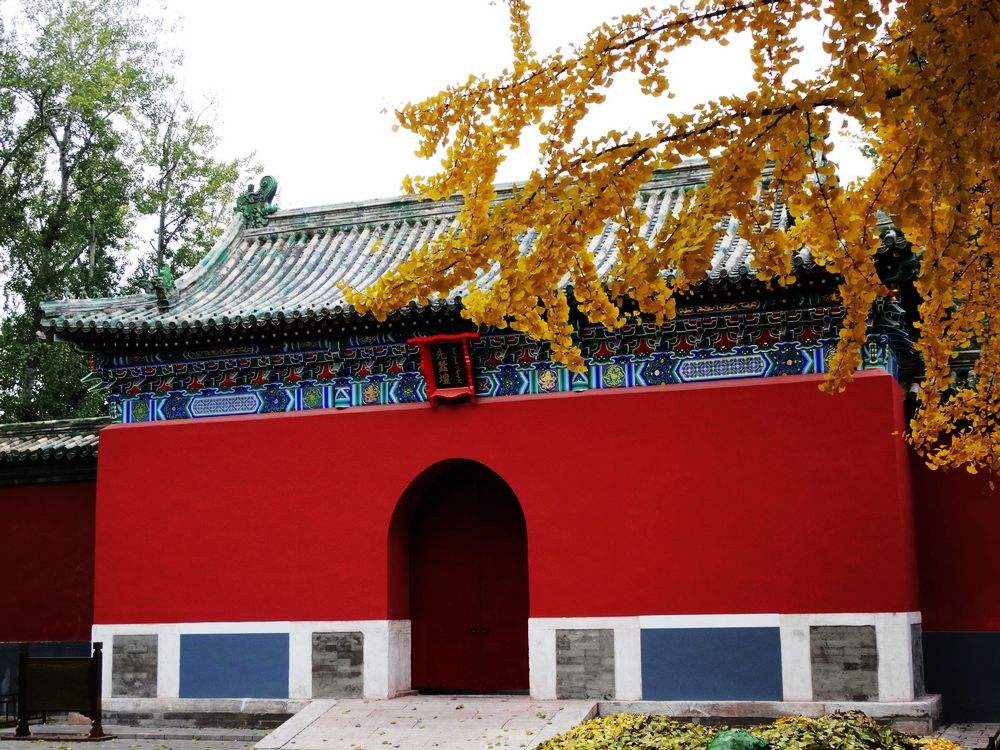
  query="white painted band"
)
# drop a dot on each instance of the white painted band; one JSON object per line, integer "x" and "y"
{"x": 893, "y": 648}
{"x": 709, "y": 621}
{"x": 387, "y": 649}
{"x": 892, "y": 633}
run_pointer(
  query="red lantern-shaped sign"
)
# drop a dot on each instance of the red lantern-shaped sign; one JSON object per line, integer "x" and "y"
{"x": 447, "y": 367}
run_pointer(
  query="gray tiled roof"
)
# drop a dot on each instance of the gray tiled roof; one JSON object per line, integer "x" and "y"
{"x": 54, "y": 440}
{"x": 292, "y": 268}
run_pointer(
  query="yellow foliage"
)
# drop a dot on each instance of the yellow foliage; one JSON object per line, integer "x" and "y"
{"x": 850, "y": 730}
{"x": 921, "y": 76}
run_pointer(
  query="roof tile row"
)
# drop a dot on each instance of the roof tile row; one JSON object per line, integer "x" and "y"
{"x": 54, "y": 440}
{"x": 295, "y": 267}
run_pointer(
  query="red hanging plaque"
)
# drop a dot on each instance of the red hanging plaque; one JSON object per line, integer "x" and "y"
{"x": 447, "y": 367}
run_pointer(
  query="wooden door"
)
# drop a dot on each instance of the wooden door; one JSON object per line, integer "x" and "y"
{"x": 469, "y": 586}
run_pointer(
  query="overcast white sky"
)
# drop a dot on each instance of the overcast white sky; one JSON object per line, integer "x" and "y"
{"x": 310, "y": 85}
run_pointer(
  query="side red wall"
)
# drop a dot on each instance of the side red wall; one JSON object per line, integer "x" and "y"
{"x": 47, "y": 561}
{"x": 754, "y": 496}
{"x": 958, "y": 519}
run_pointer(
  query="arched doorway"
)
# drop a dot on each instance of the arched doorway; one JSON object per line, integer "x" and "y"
{"x": 468, "y": 584}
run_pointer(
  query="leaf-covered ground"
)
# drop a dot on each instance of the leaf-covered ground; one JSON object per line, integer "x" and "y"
{"x": 840, "y": 731}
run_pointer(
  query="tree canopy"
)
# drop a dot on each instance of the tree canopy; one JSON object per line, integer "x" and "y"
{"x": 94, "y": 136}
{"x": 920, "y": 78}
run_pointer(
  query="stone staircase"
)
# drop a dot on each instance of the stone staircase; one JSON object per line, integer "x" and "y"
{"x": 422, "y": 722}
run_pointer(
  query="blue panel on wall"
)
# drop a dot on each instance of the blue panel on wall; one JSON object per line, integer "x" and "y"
{"x": 963, "y": 668}
{"x": 711, "y": 664}
{"x": 234, "y": 665}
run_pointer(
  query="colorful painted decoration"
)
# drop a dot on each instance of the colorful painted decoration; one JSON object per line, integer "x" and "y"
{"x": 373, "y": 370}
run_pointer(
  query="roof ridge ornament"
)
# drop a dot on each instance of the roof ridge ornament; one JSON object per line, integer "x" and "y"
{"x": 163, "y": 284}
{"x": 255, "y": 205}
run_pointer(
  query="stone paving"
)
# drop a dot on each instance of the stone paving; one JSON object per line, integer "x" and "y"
{"x": 972, "y": 736}
{"x": 426, "y": 722}
{"x": 171, "y": 743}
{"x": 134, "y": 738}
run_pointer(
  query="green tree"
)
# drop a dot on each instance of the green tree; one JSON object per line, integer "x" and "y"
{"x": 190, "y": 194}
{"x": 72, "y": 81}
{"x": 83, "y": 155}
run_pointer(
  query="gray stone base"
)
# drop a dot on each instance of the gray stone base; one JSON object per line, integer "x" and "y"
{"x": 133, "y": 666}
{"x": 920, "y": 716}
{"x": 338, "y": 665}
{"x": 249, "y": 713}
{"x": 844, "y": 662}
{"x": 585, "y": 664}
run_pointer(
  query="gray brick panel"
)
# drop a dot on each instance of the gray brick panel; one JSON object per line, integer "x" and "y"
{"x": 917, "y": 650}
{"x": 844, "y": 662}
{"x": 133, "y": 666}
{"x": 338, "y": 665}
{"x": 585, "y": 664}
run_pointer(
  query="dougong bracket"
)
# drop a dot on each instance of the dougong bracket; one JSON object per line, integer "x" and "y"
{"x": 255, "y": 205}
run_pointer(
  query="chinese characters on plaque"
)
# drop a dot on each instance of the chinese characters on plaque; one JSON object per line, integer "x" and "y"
{"x": 447, "y": 367}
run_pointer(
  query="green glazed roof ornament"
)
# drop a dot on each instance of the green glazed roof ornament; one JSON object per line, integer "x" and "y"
{"x": 255, "y": 205}
{"x": 163, "y": 284}
{"x": 737, "y": 739}
{"x": 165, "y": 277}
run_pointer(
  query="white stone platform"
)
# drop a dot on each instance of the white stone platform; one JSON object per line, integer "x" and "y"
{"x": 427, "y": 722}
{"x": 920, "y": 716}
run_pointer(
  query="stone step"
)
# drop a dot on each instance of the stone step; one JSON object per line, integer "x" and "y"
{"x": 419, "y": 722}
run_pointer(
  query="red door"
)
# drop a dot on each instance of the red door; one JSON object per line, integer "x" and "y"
{"x": 469, "y": 586}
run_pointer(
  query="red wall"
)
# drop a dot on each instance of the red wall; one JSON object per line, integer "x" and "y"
{"x": 958, "y": 519}
{"x": 753, "y": 496}
{"x": 46, "y": 561}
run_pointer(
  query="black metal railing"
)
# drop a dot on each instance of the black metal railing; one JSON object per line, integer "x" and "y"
{"x": 8, "y": 708}
{"x": 58, "y": 684}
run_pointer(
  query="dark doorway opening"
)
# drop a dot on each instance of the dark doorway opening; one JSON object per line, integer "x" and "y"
{"x": 468, "y": 592}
